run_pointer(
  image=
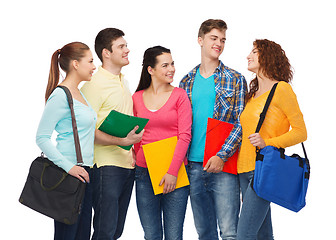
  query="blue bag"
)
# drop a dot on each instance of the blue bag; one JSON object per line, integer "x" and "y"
{"x": 281, "y": 179}
{"x": 278, "y": 178}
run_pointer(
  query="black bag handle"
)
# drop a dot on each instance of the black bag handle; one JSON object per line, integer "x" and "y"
{"x": 64, "y": 174}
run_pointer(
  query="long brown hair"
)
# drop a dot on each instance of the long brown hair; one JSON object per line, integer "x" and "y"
{"x": 62, "y": 58}
{"x": 273, "y": 62}
{"x": 149, "y": 59}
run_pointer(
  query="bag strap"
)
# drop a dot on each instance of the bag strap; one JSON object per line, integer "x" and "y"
{"x": 74, "y": 125}
{"x": 304, "y": 151}
{"x": 263, "y": 115}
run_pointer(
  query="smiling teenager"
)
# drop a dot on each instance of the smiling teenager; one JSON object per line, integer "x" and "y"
{"x": 113, "y": 166}
{"x": 215, "y": 91}
{"x": 76, "y": 60}
{"x": 169, "y": 112}
{"x": 284, "y": 126}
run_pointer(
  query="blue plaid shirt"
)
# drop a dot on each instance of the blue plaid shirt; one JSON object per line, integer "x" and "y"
{"x": 230, "y": 87}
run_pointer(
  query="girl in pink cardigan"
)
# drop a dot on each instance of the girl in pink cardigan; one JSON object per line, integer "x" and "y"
{"x": 169, "y": 112}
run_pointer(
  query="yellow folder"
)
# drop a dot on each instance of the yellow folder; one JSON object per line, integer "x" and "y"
{"x": 158, "y": 158}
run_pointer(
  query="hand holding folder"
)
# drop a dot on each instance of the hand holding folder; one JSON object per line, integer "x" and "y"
{"x": 158, "y": 158}
{"x": 119, "y": 125}
{"x": 216, "y": 134}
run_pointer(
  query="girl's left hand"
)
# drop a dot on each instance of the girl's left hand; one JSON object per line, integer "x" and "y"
{"x": 256, "y": 140}
{"x": 169, "y": 182}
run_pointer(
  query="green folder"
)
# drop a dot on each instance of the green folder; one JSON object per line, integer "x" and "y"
{"x": 119, "y": 125}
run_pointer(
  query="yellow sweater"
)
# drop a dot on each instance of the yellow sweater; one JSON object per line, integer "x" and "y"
{"x": 283, "y": 112}
{"x": 106, "y": 92}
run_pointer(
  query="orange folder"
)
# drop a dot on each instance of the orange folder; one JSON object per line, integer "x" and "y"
{"x": 216, "y": 134}
{"x": 158, "y": 158}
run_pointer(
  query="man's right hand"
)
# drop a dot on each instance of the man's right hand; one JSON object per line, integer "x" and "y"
{"x": 106, "y": 139}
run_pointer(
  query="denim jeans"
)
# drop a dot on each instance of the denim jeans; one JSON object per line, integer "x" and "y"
{"x": 255, "y": 217}
{"x": 214, "y": 199}
{"x": 151, "y": 208}
{"x": 81, "y": 230}
{"x": 111, "y": 196}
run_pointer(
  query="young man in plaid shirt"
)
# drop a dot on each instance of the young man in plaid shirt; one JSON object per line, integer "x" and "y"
{"x": 215, "y": 91}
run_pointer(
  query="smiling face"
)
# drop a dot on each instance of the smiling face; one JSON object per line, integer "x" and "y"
{"x": 253, "y": 61}
{"x": 85, "y": 66}
{"x": 119, "y": 54}
{"x": 164, "y": 70}
{"x": 212, "y": 43}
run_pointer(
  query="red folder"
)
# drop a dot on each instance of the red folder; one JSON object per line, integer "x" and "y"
{"x": 217, "y": 132}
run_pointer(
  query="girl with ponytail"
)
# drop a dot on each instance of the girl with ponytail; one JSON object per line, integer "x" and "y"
{"x": 75, "y": 59}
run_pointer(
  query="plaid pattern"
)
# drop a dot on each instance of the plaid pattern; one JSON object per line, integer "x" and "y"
{"x": 230, "y": 87}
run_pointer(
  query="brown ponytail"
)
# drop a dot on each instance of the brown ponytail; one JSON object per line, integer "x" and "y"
{"x": 53, "y": 75}
{"x": 62, "y": 58}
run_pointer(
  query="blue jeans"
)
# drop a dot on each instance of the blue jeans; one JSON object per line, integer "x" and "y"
{"x": 81, "y": 230}
{"x": 111, "y": 196}
{"x": 214, "y": 198}
{"x": 151, "y": 208}
{"x": 255, "y": 217}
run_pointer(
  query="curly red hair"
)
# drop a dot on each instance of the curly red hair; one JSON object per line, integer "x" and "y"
{"x": 274, "y": 64}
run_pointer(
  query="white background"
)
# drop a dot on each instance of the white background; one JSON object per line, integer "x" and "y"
{"x": 32, "y": 30}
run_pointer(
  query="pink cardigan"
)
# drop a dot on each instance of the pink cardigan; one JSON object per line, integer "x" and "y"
{"x": 172, "y": 119}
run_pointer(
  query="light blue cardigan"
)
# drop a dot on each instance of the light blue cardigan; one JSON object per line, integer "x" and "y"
{"x": 57, "y": 116}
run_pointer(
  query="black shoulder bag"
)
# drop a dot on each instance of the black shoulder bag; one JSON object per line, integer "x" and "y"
{"x": 49, "y": 189}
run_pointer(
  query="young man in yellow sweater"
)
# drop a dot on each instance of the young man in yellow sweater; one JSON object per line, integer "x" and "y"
{"x": 113, "y": 166}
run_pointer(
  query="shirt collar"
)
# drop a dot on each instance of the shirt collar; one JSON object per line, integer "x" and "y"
{"x": 220, "y": 68}
{"x": 109, "y": 74}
